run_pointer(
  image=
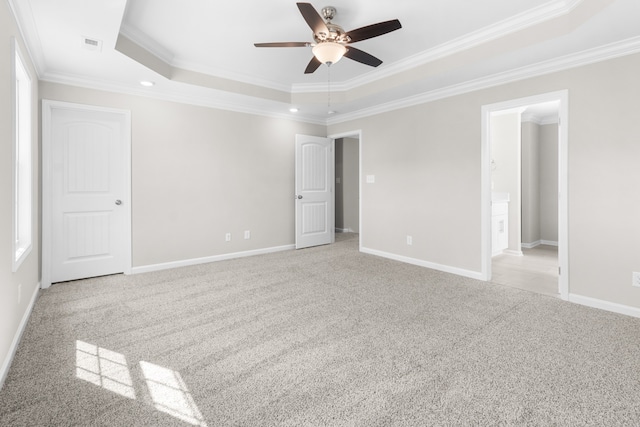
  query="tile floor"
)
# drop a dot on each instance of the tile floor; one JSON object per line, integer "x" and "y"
{"x": 536, "y": 271}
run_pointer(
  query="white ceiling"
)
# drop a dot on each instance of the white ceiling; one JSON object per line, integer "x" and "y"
{"x": 444, "y": 47}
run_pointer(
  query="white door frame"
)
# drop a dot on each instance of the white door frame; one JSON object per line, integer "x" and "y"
{"x": 47, "y": 181}
{"x": 563, "y": 168}
{"x": 357, "y": 134}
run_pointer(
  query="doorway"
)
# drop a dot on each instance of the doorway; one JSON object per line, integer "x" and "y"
{"x": 524, "y": 165}
{"x": 348, "y": 222}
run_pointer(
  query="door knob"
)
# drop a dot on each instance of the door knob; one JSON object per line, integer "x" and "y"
{"x": 299, "y": 197}
{"x": 118, "y": 202}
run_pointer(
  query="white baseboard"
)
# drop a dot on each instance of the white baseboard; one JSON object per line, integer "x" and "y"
{"x": 6, "y": 363}
{"x": 538, "y": 243}
{"x": 434, "y": 266}
{"x": 204, "y": 260}
{"x": 531, "y": 245}
{"x": 345, "y": 230}
{"x": 605, "y": 305}
{"x": 512, "y": 252}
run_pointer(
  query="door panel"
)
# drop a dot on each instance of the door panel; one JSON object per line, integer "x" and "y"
{"x": 88, "y": 215}
{"x": 314, "y": 191}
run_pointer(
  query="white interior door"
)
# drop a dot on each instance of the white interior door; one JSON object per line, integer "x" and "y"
{"x": 315, "y": 215}
{"x": 88, "y": 199}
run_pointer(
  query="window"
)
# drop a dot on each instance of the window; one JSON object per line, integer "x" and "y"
{"x": 22, "y": 189}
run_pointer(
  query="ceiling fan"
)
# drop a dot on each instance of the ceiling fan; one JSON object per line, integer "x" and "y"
{"x": 331, "y": 42}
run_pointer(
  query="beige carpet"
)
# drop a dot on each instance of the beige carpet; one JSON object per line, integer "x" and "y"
{"x": 318, "y": 337}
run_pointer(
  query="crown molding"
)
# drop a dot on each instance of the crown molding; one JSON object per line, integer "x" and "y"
{"x": 29, "y": 34}
{"x": 201, "y": 101}
{"x": 163, "y": 54}
{"x": 540, "y": 120}
{"x": 586, "y": 57}
{"x": 503, "y": 28}
{"x": 603, "y": 53}
{"x": 147, "y": 43}
{"x": 531, "y": 118}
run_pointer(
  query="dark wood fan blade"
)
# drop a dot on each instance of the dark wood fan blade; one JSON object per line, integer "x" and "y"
{"x": 282, "y": 44}
{"x": 313, "y": 65}
{"x": 373, "y": 30}
{"x": 313, "y": 18}
{"x": 362, "y": 57}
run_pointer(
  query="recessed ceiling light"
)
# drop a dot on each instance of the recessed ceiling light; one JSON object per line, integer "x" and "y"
{"x": 147, "y": 83}
{"x": 293, "y": 109}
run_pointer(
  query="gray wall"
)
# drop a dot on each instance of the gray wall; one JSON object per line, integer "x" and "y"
{"x": 426, "y": 159}
{"x": 198, "y": 173}
{"x": 28, "y": 275}
{"x": 506, "y": 169}
{"x": 347, "y": 190}
{"x": 531, "y": 182}
{"x": 539, "y": 183}
{"x": 549, "y": 182}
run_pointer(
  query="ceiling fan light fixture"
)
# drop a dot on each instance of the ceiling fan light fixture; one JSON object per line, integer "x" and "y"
{"x": 329, "y": 52}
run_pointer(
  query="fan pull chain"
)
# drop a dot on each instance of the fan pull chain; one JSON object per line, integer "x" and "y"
{"x": 329, "y": 87}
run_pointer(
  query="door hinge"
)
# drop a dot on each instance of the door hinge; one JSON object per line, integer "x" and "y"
{"x": 559, "y": 271}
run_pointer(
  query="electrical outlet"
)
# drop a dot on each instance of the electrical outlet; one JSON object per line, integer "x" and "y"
{"x": 227, "y": 237}
{"x": 247, "y": 234}
{"x": 409, "y": 240}
{"x": 635, "y": 276}
{"x": 19, "y": 293}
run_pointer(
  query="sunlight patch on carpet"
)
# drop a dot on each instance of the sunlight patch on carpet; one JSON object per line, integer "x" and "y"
{"x": 170, "y": 394}
{"x": 104, "y": 368}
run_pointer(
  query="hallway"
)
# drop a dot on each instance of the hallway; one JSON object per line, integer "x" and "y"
{"x": 536, "y": 271}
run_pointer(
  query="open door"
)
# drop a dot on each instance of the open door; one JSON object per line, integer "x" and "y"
{"x": 315, "y": 215}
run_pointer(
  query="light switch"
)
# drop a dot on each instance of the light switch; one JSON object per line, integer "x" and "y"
{"x": 371, "y": 179}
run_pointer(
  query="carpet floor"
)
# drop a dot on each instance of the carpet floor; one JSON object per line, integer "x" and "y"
{"x": 325, "y": 336}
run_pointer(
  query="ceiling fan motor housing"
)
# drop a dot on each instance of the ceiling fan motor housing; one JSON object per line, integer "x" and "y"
{"x": 336, "y": 34}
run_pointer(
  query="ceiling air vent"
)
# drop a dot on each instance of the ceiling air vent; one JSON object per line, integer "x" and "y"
{"x": 92, "y": 44}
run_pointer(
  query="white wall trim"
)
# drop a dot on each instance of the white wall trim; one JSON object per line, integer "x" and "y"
{"x": 200, "y": 101}
{"x": 432, "y": 265}
{"x": 598, "y": 54}
{"x": 605, "y": 305}
{"x": 531, "y": 245}
{"x": 6, "y": 363}
{"x": 205, "y": 260}
{"x": 30, "y": 36}
{"x": 512, "y": 252}
{"x": 541, "y": 121}
{"x": 590, "y": 56}
{"x": 344, "y": 230}
{"x": 538, "y": 243}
